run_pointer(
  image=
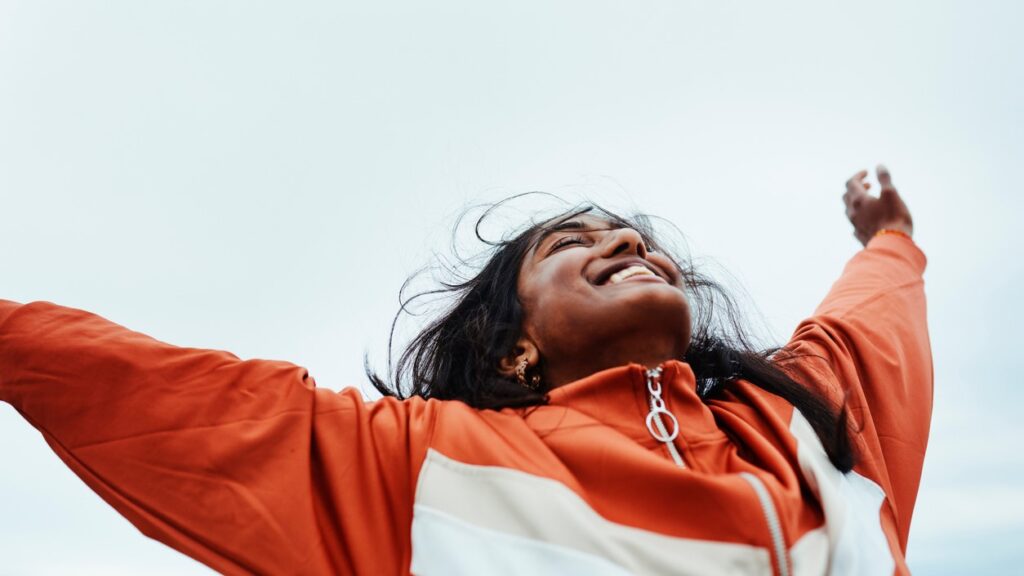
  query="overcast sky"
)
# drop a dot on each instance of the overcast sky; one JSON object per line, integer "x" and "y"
{"x": 261, "y": 178}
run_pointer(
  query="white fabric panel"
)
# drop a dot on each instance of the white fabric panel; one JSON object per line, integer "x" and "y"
{"x": 809, "y": 556}
{"x": 446, "y": 546}
{"x": 852, "y": 505}
{"x": 509, "y": 502}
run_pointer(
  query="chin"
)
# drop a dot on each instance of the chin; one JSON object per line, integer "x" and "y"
{"x": 659, "y": 299}
{"x": 653, "y": 311}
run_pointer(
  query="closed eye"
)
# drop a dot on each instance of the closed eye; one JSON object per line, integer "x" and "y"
{"x": 566, "y": 241}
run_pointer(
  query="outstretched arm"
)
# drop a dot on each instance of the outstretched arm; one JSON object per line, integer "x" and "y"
{"x": 868, "y": 343}
{"x": 243, "y": 465}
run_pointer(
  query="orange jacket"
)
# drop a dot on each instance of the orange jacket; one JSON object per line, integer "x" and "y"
{"x": 247, "y": 467}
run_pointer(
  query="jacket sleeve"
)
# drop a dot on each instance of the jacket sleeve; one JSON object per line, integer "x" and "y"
{"x": 243, "y": 465}
{"x": 868, "y": 343}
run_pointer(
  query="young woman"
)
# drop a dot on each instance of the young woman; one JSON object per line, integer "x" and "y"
{"x": 581, "y": 409}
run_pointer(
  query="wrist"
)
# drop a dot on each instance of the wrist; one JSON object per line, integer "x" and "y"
{"x": 901, "y": 228}
{"x": 895, "y": 231}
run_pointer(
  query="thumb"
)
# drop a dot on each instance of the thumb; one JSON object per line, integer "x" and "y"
{"x": 884, "y": 178}
{"x": 888, "y": 193}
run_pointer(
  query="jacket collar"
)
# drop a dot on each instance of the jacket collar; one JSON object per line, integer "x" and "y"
{"x": 618, "y": 397}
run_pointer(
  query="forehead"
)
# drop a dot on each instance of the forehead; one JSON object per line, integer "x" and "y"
{"x": 587, "y": 220}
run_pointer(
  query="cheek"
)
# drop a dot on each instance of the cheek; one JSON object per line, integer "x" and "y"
{"x": 554, "y": 302}
{"x": 668, "y": 266}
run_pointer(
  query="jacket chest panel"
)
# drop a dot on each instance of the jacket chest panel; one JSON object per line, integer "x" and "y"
{"x": 528, "y": 521}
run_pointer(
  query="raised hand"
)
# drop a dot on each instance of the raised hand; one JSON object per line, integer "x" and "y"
{"x": 869, "y": 214}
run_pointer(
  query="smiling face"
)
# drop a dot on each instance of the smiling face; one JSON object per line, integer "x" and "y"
{"x": 595, "y": 297}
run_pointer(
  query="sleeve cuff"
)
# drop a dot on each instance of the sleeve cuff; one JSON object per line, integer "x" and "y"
{"x": 900, "y": 246}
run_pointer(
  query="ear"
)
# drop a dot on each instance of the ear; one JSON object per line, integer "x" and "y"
{"x": 524, "y": 349}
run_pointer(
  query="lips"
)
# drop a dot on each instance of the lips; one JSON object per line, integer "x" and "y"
{"x": 623, "y": 269}
{"x": 630, "y": 272}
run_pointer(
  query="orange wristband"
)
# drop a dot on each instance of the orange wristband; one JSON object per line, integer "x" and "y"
{"x": 893, "y": 231}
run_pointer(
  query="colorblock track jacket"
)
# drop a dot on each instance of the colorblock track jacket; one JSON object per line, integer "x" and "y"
{"x": 248, "y": 467}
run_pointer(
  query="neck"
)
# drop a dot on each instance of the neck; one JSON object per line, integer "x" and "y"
{"x": 570, "y": 368}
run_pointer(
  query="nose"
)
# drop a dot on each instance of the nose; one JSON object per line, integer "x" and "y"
{"x": 624, "y": 241}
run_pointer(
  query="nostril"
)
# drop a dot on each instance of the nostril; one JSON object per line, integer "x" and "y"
{"x": 625, "y": 241}
{"x": 622, "y": 247}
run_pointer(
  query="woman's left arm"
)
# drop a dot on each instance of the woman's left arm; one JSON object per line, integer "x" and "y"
{"x": 868, "y": 342}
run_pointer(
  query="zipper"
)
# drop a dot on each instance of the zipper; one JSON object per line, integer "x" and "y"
{"x": 656, "y": 426}
{"x": 772, "y": 518}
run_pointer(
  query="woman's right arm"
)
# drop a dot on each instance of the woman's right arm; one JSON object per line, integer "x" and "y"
{"x": 243, "y": 465}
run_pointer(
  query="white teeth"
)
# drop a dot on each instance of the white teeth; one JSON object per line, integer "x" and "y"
{"x": 627, "y": 272}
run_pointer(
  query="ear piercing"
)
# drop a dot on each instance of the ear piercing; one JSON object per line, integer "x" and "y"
{"x": 534, "y": 381}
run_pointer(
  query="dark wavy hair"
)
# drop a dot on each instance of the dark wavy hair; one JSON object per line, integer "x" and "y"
{"x": 457, "y": 354}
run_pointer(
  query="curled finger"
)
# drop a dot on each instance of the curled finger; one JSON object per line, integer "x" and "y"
{"x": 855, "y": 183}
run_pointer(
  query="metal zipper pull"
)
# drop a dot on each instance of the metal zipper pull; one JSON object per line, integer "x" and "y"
{"x": 655, "y": 425}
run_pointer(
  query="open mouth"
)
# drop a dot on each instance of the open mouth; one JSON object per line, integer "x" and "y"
{"x": 634, "y": 269}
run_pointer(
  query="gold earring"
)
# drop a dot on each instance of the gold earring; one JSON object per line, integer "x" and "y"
{"x": 534, "y": 381}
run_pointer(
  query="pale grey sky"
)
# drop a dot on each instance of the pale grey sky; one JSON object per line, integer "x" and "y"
{"x": 261, "y": 177}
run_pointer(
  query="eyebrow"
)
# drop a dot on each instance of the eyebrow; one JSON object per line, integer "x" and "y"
{"x": 560, "y": 227}
{"x": 571, "y": 224}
